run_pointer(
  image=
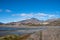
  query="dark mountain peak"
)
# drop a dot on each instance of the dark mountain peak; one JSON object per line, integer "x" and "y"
{"x": 33, "y": 18}
{"x": 1, "y": 23}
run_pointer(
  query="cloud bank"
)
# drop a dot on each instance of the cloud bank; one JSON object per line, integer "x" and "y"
{"x": 36, "y": 15}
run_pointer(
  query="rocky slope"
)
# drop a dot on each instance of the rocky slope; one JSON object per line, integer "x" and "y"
{"x": 29, "y": 22}
{"x": 53, "y": 22}
{"x": 35, "y": 22}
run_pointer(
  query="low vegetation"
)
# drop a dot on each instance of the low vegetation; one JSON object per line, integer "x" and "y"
{"x": 15, "y": 37}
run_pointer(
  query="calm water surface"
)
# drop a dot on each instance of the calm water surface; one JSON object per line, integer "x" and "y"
{"x": 19, "y": 31}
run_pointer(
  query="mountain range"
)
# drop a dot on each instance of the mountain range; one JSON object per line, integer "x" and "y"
{"x": 36, "y": 22}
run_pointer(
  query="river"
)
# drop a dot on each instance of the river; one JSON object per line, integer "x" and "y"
{"x": 20, "y": 31}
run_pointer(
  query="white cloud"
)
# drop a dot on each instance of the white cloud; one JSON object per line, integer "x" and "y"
{"x": 41, "y": 14}
{"x": 36, "y": 15}
{"x": 15, "y": 14}
{"x": 23, "y": 14}
{"x": 1, "y": 10}
{"x": 51, "y": 16}
{"x": 7, "y": 10}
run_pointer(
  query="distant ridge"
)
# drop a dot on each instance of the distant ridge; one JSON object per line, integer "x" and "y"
{"x": 36, "y": 22}
{"x": 32, "y": 20}
{"x": 55, "y": 22}
{"x": 1, "y": 23}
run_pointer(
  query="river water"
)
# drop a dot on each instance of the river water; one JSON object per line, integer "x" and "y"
{"x": 20, "y": 31}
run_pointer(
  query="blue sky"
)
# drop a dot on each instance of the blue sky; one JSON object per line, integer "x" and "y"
{"x": 17, "y": 10}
